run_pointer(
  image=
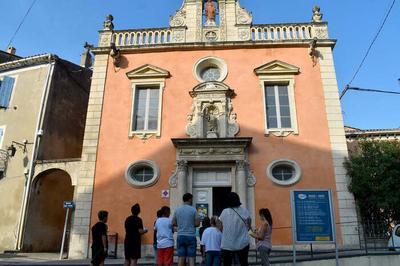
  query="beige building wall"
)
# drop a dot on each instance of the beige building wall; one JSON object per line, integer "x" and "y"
{"x": 20, "y": 121}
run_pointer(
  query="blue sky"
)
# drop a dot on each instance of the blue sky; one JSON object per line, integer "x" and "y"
{"x": 62, "y": 27}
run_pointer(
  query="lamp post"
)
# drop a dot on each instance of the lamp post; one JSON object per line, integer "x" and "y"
{"x": 11, "y": 150}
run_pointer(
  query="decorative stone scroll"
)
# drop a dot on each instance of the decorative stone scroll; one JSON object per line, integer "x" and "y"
{"x": 179, "y": 19}
{"x": 243, "y": 17}
{"x": 212, "y": 113}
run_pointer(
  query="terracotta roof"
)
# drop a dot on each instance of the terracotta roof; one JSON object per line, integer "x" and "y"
{"x": 6, "y": 57}
{"x": 28, "y": 61}
{"x": 353, "y": 132}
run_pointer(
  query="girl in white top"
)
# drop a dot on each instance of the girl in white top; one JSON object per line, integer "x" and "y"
{"x": 211, "y": 240}
{"x": 263, "y": 236}
{"x": 165, "y": 238}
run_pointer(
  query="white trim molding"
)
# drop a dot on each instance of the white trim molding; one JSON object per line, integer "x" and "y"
{"x": 297, "y": 172}
{"x": 142, "y": 163}
{"x": 279, "y": 73}
{"x": 152, "y": 77}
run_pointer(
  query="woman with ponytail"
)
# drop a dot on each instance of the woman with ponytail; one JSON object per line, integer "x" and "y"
{"x": 263, "y": 236}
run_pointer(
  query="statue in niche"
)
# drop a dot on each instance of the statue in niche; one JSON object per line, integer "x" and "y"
{"x": 211, "y": 13}
{"x": 211, "y": 119}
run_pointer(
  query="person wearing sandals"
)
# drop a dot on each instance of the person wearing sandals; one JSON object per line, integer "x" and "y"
{"x": 263, "y": 236}
{"x": 236, "y": 223}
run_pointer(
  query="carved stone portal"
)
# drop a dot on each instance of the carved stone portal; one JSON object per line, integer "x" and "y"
{"x": 212, "y": 113}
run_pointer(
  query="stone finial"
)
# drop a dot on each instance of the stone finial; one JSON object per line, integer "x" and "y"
{"x": 86, "y": 58}
{"x": 108, "y": 23}
{"x": 317, "y": 15}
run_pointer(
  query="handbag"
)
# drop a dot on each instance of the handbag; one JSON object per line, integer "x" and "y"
{"x": 246, "y": 224}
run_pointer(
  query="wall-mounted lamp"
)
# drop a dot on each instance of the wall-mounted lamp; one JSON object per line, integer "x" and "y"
{"x": 12, "y": 149}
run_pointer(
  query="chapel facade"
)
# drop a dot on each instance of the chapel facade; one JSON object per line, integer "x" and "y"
{"x": 209, "y": 105}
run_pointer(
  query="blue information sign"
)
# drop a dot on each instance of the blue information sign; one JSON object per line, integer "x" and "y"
{"x": 68, "y": 204}
{"x": 313, "y": 216}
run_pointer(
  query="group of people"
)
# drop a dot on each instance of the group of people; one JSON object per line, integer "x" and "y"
{"x": 224, "y": 240}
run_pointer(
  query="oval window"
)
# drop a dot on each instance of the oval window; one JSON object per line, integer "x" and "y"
{"x": 284, "y": 172}
{"x": 142, "y": 173}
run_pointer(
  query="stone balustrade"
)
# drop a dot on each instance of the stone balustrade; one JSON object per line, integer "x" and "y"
{"x": 256, "y": 33}
{"x": 143, "y": 37}
{"x": 281, "y": 32}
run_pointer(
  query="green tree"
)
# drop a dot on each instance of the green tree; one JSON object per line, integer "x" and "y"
{"x": 375, "y": 181}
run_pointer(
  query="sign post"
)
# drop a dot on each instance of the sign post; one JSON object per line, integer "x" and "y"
{"x": 67, "y": 205}
{"x": 313, "y": 220}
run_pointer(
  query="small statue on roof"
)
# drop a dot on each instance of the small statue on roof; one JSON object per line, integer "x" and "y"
{"x": 317, "y": 15}
{"x": 108, "y": 23}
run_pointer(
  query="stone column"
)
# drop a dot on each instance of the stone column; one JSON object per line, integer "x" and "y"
{"x": 182, "y": 179}
{"x": 241, "y": 182}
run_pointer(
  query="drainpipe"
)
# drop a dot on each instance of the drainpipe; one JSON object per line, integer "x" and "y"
{"x": 36, "y": 143}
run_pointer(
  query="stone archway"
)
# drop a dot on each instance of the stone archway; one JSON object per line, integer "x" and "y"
{"x": 46, "y": 215}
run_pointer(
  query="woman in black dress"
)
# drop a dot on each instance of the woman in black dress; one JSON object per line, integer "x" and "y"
{"x": 134, "y": 230}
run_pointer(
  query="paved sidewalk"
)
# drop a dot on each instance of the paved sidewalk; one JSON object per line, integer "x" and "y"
{"x": 52, "y": 259}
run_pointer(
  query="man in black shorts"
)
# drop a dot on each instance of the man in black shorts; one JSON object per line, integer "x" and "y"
{"x": 100, "y": 242}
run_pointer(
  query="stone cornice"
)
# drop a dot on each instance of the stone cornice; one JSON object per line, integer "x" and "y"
{"x": 215, "y": 46}
{"x": 212, "y": 142}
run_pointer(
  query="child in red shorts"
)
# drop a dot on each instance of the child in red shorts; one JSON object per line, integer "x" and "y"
{"x": 165, "y": 238}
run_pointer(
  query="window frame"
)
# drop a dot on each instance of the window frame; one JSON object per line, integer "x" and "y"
{"x": 279, "y": 80}
{"x": 297, "y": 172}
{"x": 3, "y": 127}
{"x": 153, "y": 83}
{"x": 15, "y": 77}
{"x": 141, "y": 163}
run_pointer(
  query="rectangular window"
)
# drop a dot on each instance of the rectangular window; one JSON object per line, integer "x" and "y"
{"x": 6, "y": 88}
{"x": 278, "y": 106}
{"x": 145, "y": 112}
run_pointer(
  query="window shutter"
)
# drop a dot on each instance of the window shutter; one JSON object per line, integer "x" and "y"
{"x": 5, "y": 91}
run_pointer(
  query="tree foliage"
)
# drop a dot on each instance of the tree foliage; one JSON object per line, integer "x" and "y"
{"x": 375, "y": 181}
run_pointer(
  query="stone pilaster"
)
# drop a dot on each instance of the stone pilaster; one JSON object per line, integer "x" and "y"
{"x": 347, "y": 208}
{"x": 182, "y": 178}
{"x": 241, "y": 181}
{"x": 79, "y": 240}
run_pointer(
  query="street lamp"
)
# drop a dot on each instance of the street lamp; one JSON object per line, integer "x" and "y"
{"x": 12, "y": 149}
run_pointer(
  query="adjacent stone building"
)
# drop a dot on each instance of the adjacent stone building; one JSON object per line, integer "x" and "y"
{"x": 43, "y": 104}
{"x": 355, "y": 135}
{"x": 211, "y": 104}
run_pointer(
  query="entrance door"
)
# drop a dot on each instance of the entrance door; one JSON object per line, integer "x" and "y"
{"x": 210, "y": 188}
{"x": 219, "y": 199}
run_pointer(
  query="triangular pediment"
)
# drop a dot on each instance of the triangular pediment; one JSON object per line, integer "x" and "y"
{"x": 276, "y": 67}
{"x": 148, "y": 71}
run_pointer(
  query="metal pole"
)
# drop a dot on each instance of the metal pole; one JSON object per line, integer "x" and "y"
{"x": 312, "y": 252}
{"x": 64, "y": 233}
{"x": 337, "y": 254}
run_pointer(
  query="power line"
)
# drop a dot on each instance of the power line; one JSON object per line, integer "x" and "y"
{"x": 373, "y": 41}
{"x": 20, "y": 25}
{"x": 367, "y": 90}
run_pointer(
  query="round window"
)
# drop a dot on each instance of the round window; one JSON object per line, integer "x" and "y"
{"x": 211, "y": 74}
{"x": 284, "y": 172}
{"x": 142, "y": 173}
{"x": 210, "y": 69}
